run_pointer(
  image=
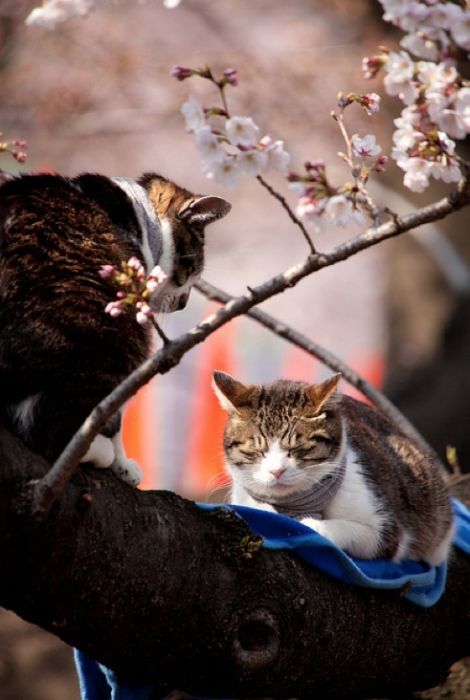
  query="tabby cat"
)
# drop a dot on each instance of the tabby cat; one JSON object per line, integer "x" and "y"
{"x": 337, "y": 465}
{"x": 60, "y": 353}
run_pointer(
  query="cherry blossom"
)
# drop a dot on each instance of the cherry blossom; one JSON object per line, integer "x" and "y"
{"x": 371, "y": 102}
{"x": 365, "y": 147}
{"x": 399, "y": 78}
{"x": 252, "y": 162}
{"x": 54, "y": 12}
{"x": 225, "y": 171}
{"x": 242, "y": 131}
{"x": 209, "y": 145}
{"x": 340, "y": 211}
{"x": 277, "y": 157}
{"x": 311, "y": 209}
{"x": 417, "y": 172}
{"x": 193, "y": 114}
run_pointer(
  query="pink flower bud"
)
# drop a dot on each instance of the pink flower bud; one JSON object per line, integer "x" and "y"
{"x": 370, "y": 102}
{"x": 181, "y": 73}
{"x": 152, "y": 285}
{"x": 19, "y": 156}
{"x": 265, "y": 142}
{"x": 136, "y": 265}
{"x": 114, "y": 308}
{"x": 141, "y": 318}
{"x": 107, "y": 271}
{"x": 20, "y": 144}
{"x": 371, "y": 65}
{"x": 380, "y": 163}
{"x": 158, "y": 274}
{"x": 231, "y": 76}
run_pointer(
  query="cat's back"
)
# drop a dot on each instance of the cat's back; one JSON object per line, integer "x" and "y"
{"x": 52, "y": 219}
{"x": 406, "y": 479}
{"x": 55, "y": 233}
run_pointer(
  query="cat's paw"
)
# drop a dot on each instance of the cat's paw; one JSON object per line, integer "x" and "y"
{"x": 314, "y": 524}
{"x": 128, "y": 470}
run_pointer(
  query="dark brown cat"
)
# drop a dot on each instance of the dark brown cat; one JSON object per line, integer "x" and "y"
{"x": 60, "y": 353}
{"x": 337, "y": 465}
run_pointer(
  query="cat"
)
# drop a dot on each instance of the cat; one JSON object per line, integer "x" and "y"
{"x": 337, "y": 465}
{"x": 60, "y": 353}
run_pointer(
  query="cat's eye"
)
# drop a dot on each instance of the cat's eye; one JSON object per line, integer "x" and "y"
{"x": 246, "y": 453}
{"x": 320, "y": 437}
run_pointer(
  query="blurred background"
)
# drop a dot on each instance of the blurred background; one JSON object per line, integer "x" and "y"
{"x": 96, "y": 95}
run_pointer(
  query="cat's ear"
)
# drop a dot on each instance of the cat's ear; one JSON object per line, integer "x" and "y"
{"x": 230, "y": 392}
{"x": 320, "y": 393}
{"x": 204, "y": 210}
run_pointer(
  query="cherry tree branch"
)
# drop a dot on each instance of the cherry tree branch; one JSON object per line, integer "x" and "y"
{"x": 328, "y": 358}
{"x": 50, "y": 486}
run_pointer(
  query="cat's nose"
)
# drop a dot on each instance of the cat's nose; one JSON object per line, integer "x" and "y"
{"x": 278, "y": 472}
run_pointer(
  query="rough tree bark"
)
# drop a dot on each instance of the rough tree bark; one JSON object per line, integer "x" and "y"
{"x": 170, "y": 594}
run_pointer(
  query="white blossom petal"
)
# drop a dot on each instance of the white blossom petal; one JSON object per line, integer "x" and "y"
{"x": 193, "y": 114}
{"x": 225, "y": 172}
{"x": 242, "y": 131}
{"x": 209, "y": 145}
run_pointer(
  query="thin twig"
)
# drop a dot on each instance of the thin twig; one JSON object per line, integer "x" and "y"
{"x": 51, "y": 485}
{"x": 160, "y": 332}
{"x": 289, "y": 211}
{"x": 328, "y": 358}
{"x": 339, "y": 120}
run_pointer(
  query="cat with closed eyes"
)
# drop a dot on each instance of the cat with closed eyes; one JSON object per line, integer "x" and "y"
{"x": 337, "y": 465}
{"x": 60, "y": 353}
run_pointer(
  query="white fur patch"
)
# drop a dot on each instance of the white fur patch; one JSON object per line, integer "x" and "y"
{"x": 126, "y": 469}
{"x": 353, "y": 519}
{"x": 275, "y": 459}
{"x": 100, "y": 453}
{"x": 23, "y": 413}
{"x": 146, "y": 216}
{"x": 167, "y": 254}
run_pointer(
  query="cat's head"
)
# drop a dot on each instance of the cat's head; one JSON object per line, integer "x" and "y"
{"x": 280, "y": 438}
{"x": 183, "y": 217}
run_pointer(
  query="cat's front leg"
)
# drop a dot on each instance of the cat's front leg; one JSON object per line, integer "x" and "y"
{"x": 107, "y": 451}
{"x": 100, "y": 453}
{"x": 126, "y": 469}
{"x": 358, "y": 539}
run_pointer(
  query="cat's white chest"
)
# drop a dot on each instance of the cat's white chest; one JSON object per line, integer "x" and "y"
{"x": 355, "y": 498}
{"x": 353, "y": 519}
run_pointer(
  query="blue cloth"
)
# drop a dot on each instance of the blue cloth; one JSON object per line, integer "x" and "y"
{"x": 419, "y": 583}
{"x": 100, "y": 683}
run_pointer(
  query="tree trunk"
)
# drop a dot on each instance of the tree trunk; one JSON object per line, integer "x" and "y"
{"x": 169, "y": 594}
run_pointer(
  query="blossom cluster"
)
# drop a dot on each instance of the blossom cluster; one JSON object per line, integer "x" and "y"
{"x": 433, "y": 28}
{"x": 234, "y": 145}
{"x": 138, "y": 287}
{"x": 320, "y": 201}
{"x": 54, "y": 12}
{"x": 436, "y": 97}
{"x": 16, "y": 148}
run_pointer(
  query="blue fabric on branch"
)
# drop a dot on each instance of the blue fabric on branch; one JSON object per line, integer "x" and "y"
{"x": 100, "y": 683}
{"x": 418, "y": 583}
